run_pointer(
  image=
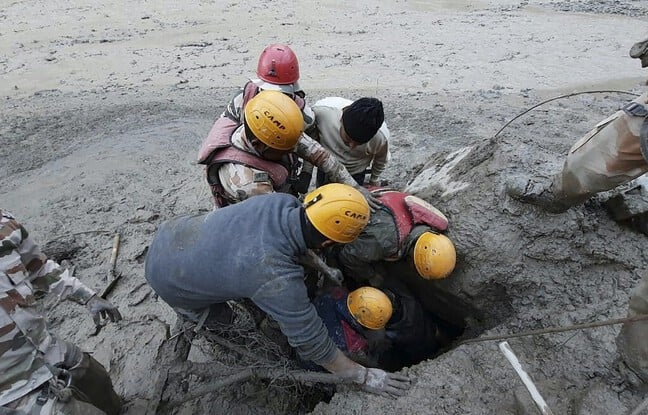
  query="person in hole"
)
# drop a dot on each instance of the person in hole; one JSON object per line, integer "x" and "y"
{"x": 198, "y": 263}
{"x": 405, "y": 229}
{"x": 383, "y": 327}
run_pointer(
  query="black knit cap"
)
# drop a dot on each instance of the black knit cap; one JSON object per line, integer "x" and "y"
{"x": 362, "y": 119}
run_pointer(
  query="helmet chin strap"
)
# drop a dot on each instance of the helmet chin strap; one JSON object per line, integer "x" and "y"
{"x": 313, "y": 238}
{"x": 260, "y": 148}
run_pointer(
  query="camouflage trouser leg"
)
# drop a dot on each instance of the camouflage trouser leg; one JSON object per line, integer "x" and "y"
{"x": 81, "y": 385}
{"x": 606, "y": 157}
{"x": 631, "y": 342}
{"x": 35, "y": 404}
{"x": 90, "y": 382}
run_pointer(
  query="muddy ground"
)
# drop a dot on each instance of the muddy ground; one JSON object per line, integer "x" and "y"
{"x": 105, "y": 106}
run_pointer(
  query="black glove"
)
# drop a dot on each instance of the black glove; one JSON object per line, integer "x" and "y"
{"x": 102, "y": 308}
{"x": 373, "y": 202}
{"x": 303, "y": 182}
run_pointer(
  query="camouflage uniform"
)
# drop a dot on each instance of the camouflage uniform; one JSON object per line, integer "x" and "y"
{"x": 611, "y": 154}
{"x": 241, "y": 182}
{"x": 606, "y": 157}
{"x": 234, "y": 110}
{"x": 28, "y": 352}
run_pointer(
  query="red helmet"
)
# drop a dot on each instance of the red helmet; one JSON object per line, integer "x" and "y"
{"x": 278, "y": 65}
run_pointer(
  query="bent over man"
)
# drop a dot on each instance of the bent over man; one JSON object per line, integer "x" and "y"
{"x": 406, "y": 228}
{"x": 355, "y": 133}
{"x": 249, "y": 251}
{"x": 277, "y": 70}
{"x": 261, "y": 156}
{"x": 39, "y": 373}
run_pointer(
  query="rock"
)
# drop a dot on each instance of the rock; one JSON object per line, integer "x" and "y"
{"x": 630, "y": 202}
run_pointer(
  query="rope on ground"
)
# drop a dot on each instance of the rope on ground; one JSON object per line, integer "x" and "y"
{"x": 600, "y": 91}
{"x": 612, "y": 322}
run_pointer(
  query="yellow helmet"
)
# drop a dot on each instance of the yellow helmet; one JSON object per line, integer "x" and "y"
{"x": 274, "y": 119}
{"x": 337, "y": 211}
{"x": 434, "y": 256}
{"x": 370, "y": 307}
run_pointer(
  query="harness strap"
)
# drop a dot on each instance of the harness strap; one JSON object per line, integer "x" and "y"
{"x": 636, "y": 109}
{"x": 278, "y": 173}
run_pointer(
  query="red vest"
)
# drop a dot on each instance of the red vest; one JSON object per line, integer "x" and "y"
{"x": 354, "y": 341}
{"x": 409, "y": 211}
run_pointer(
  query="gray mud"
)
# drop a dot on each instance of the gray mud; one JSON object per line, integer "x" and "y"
{"x": 104, "y": 112}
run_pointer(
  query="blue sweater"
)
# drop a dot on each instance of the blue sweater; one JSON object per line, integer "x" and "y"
{"x": 247, "y": 250}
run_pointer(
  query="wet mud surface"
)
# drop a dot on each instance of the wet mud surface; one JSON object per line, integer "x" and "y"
{"x": 102, "y": 138}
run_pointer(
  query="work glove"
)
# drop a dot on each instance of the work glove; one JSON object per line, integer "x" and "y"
{"x": 371, "y": 200}
{"x": 378, "y": 182}
{"x": 334, "y": 275}
{"x": 384, "y": 383}
{"x": 100, "y": 308}
{"x": 303, "y": 182}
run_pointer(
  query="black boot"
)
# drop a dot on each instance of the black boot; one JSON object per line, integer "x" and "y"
{"x": 640, "y": 51}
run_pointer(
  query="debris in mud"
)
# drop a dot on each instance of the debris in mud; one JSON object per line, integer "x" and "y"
{"x": 62, "y": 249}
{"x": 630, "y": 204}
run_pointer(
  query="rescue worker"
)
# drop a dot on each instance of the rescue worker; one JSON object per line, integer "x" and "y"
{"x": 355, "y": 133}
{"x": 351, "y": 317}
{"x": 388, "y": 326}
{"x": 249, "y": 251}
{"x": 260, "y": 156}
{"x": 611, "y": 154}
{"x": 404, "y": 228}
{"x": 40, "y": 373}
{"x": 277, "y": 70}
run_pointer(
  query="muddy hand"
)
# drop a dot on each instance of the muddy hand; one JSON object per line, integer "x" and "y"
{"x": 100, "y": 308}
{"x": 371, "y": 199}
{"x": 386, "y": 384}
